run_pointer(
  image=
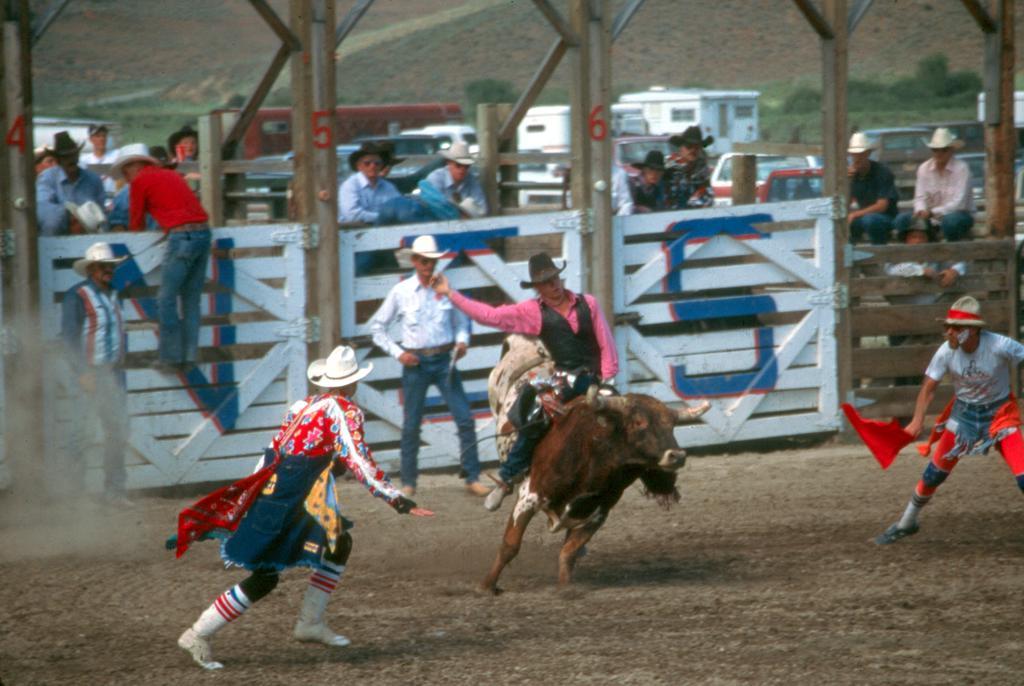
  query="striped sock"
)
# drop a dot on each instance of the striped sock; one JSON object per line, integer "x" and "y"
{"x": 326, "y": 578}
{"x": 229, "y": 606}
{"x": 909, "y": 518}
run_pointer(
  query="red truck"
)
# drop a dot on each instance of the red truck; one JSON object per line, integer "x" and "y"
{"x": 271, "y": 130}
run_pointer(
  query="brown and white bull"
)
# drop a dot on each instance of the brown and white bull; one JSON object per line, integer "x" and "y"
{"x": 583, "y": 465}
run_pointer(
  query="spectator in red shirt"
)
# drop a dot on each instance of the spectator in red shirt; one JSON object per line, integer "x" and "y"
{"x": 165, "y": 196}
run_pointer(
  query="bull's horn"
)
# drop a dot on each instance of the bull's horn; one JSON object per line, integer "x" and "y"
{"x": 609, "y": 402}
{"x": 685, "y": 413}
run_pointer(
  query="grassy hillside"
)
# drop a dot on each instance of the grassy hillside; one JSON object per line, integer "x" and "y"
{"x": 153, "y": 64}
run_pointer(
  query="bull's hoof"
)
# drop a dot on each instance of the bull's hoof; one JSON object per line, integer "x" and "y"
{"x": 487, "y": 590}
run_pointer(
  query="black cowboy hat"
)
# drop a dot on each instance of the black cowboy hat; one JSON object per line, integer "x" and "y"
{"x": 691, "y": 136}
{"x": 369, "y": 148}
{"x": 184, "y": 132}
{"x": 65, "y": 146}
{"x": 542, "y": 268}
{"x": 919, "y": 224}
{"x": 655, "y": 160}
{"x": 159, "y": 153}
{"x": 387, "y": 154}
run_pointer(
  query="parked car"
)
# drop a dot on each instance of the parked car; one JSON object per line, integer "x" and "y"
{"x": 792, "y": 184}
{"x": 448, "y": 134}
{"x": 275, "y": 184}
{"x": 629, "y": 150}
{"x": 540, "y": 172}
{"x": 721, "y": 176}
{"x": 971, "y": 133}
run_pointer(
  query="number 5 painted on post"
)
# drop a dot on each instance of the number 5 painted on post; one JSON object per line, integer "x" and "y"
{"x": 16, "y": 134}
{"x": 597, "y": 126}
{"x": 322, "y": 134}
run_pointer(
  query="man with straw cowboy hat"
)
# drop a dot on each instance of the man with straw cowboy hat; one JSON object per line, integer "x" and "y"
{"x": 873, "y": 194}
{"x": 983, "y": 411}
{"x": 458, "y": 183}
{"x": 92, "y": 328}
{"x": 291, "y": 514}
{"x": 164, "y": 195}
{"x": 434, "y": 336}
{"x": 942, "y": 192}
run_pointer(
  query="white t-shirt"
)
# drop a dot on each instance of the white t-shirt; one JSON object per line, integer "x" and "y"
{"x": 980, "y": 377}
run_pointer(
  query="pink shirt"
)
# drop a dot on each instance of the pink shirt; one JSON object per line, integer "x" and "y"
{"x": 946, "y": 191}
{"x": 525, "y": 318}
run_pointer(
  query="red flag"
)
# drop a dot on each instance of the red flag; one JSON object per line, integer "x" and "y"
{"x": 884, "y": 440}
{"x": 222, "y": 509}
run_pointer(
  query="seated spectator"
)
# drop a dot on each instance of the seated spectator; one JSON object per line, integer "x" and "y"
{"x": 100, "y": 154}
{"x": 689, "y": 177}
{"x": 649, "y": 190}
{"x": 183, "y": 144}
{"x": 458, "y": 183}
{"x": 942, "y": 193}
{"x": 873, "y": 194}
{"x": 943, "y": 274}
{"x": 44, "y": 159}
{"x": 67, "y": 182}
{"x": 362, "y": 195}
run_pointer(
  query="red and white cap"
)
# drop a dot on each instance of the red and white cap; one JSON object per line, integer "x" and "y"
{"x": 964, "y": 312}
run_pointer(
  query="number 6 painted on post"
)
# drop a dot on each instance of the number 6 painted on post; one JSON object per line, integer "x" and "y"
{"x": 322, "y": 134}
{"x": 596, "y": 125}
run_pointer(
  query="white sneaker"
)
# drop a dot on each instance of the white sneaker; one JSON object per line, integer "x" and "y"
{"x": 199, "y": 648}
{"x": 319, "y": 633}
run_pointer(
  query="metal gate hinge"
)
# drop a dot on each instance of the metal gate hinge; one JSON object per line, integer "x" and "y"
{"x": 306, "y": 235}
{"x": 835, "y": 296}
{"x": 830, "y": 208}
{"x": 306, "y": 328}
{"x": 581, "y": 221}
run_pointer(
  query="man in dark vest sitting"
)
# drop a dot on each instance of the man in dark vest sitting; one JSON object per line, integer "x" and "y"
{"x": 573, "y": 329}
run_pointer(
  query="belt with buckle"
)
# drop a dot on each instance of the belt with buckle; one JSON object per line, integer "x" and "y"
{"x": 189, "y": 227}
{"x": 436, "y": 350}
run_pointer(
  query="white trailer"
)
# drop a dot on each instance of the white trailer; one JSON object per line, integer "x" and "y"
{"x": 545, "y": 128}
{"x": 1018, "y": 108}
{"x": 729, "y": 116}
{"x": 45, "y": 128}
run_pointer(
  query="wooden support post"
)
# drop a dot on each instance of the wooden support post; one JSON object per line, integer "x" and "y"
{"x": 487, "y": 123}
{"x": 326, "y": 291}
{"x": 599, "y": 185}
{"x": 211, "y": 192}
{"x": 1000, "y": 133}
{"x": 834, "y": 134}
{"x": 744, "y": 179}
{"x": 507, "y": 197}
{"x": 579, "y": 109}
{"x": 303, "y": 179}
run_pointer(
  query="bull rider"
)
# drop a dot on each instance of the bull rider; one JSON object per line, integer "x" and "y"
{"x": 982, "y": 413}
{"x": 572, "y": 328}
{"x": 295, "y": 520}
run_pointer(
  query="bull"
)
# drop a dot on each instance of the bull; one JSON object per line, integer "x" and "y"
{"x": 582, "y": 466}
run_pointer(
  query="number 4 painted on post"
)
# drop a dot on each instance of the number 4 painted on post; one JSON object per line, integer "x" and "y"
{"x": 15, "y": 137}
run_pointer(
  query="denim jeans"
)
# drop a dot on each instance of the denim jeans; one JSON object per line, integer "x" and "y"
{"x": 433, "y": 370}
{"x": 878, "y": 227}
{"x": 955, "y": 226}
{"x": 100, "y": 424}
{"x": 184, "y": 271}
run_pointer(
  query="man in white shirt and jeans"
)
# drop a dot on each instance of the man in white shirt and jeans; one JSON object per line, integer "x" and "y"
{"x": 942, "y": 192}
{"x": 982, "y": 413}
{"x": 433, "y": 331}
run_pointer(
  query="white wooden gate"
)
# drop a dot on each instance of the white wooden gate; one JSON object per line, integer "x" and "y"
{"x": 211, "y": 423}
{"x": 736, "y": 305}
{"x": 479, "y": 246}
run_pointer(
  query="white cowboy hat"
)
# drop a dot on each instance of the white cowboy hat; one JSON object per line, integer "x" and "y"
{"x": 134, "y": 152}
{"x": 424, "y": 246}
{"x": 458, "y": 152}
{"x": 470, "y": 207}
{"x": 942, "y": 138}
{"x": 966, "y": 311}
{"x": 859, "y": 142}
{"x": 89, "y": 215}
{"x": 97, "y": 252}
{"x": 341, "y": 368}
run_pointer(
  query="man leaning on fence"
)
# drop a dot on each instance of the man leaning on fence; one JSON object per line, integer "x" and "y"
{"x": 362, "y": 195}
{"x": 92, "y": 329}
{"x": 434, "y": 336}
{"x": 458, "y": 183}
{"x": 62, "y": 189}
{"x": 165, "y": 196}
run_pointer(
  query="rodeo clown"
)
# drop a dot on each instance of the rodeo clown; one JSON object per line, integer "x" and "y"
{"x": 983, "y": 412}
{"x": 291, "y": 516}
{"x": 572, "y": 328}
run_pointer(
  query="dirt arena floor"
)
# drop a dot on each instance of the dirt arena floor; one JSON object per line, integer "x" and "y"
{"x": 763, "y": 574}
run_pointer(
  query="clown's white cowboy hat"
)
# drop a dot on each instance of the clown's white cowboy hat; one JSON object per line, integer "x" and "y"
{"x": 964, "y": 312}
{"x": 859, "y": 142}
{"x": 134, "y": 152}
{"x": 340, "y": 368}
{"x": 458, "y": 152}
{"x": 943, "y": 138}
{"x": 89, "y": 215}
{"x": 97, "y": 253}
{"x": 424, "y": 246}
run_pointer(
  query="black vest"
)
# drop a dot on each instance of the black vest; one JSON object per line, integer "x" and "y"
{"x": 571, "y": 351}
